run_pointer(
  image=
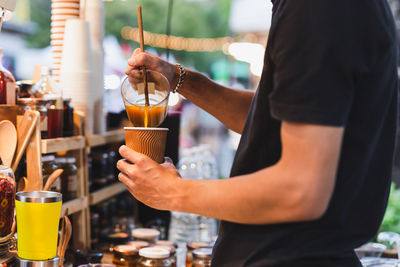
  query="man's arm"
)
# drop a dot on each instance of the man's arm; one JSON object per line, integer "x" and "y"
{"x": 228, "y": 105}
{"x": 297, "y": 188}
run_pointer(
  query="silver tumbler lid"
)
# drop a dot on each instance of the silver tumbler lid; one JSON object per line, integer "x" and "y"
{"x": 38, "y": 196}
{"x": 54, "y": 262}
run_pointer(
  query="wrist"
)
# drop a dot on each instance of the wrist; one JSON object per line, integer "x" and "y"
{"x": 181, "y": 199}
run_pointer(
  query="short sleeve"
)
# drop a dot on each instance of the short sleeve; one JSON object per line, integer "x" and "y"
{"x": 313, "y": 65}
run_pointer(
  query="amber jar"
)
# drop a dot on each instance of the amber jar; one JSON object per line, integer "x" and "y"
{"x": 154, "y": 257}
{"x": 202, "y": 257}
{"x": 192, "y": 246}
{"x": 125, "y": 255}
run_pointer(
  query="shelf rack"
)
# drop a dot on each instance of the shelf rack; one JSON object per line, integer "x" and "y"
{"x": 79, "y": 146}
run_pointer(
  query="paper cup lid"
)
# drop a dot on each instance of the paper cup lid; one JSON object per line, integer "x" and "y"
{"x": 145, "y": 233}
{"x": 154, "y": 253}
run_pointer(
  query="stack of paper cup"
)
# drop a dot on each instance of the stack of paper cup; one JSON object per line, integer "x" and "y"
{"x": 94, "y": 14}
{"x": 61, "y": 10}
{"x": 76, "y": 69}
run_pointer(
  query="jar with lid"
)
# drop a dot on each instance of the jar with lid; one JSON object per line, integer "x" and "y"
{"x": 49, "y": 165}
{"x": 100, "y": 161}
{"x": 69, "y": 179}
{"x": 172, "y": 253}
{"x": 202, "y": 257}
{"x": 125, "y": 255}
{"x": 146, "y": 234}
{"x": 7, "y": 192}
{"x": 192, "y": 246}
{"x": 154, "y": 257}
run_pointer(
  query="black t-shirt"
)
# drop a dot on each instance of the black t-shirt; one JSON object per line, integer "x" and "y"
{"x": 327, "y": 62}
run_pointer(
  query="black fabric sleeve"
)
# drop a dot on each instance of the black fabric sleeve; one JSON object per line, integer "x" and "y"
{"x": 313, "y": 62}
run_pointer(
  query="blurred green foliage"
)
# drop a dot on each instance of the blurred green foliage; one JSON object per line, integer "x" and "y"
{"x": 391, "y": 220}
{"x": 190, "y": 18}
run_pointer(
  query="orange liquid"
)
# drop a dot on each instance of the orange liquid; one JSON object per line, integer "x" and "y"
{"x": 146, "y": 116}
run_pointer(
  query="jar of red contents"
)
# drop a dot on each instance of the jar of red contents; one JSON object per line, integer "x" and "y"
{"x": 7, "y": 193}
{"x": 202, "y": 257}
{"x": 192, "y": 246}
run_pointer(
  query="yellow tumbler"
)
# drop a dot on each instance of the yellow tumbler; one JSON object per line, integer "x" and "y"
{"x": 38, "y": 215}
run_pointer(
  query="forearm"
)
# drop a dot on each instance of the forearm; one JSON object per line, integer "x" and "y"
{"x": 263, "y": 197}
{"x": 228, "y": 105}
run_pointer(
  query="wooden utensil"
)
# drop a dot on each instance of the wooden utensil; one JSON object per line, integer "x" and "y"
{"x": 25, "y": 130}
{"x": 65, "y": 237}
{"x": 8, "y": 142}
{"x": 52, "y": 178}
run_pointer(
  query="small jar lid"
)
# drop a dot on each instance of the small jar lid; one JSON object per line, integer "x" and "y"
{"x": 202, "y": 252}
{"x": 138, "y": 244}
{"x": 146, "y": 233}
{"x": 197, "y": 244}
{"x": 48, "y": 158}
{"x": 169, "y": 248}
{"x": 71, "y": 160}
{"x": 126, "y": 250}
{"x": 154, "y": 253}
{"x": 166, "y": 243}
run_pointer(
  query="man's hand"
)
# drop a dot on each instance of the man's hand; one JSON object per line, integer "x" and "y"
{"x": 156, "y": 185}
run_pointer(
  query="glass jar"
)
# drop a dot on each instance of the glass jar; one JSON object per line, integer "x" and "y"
{"x": 100, "y": 163}
{"x": 69, "y": 179}
{"x": 49, "y": 165}
{"x": 125, "y": 255}
{"x": 202, "y": 257}
{"x": 154, "y": 257}
{"x": 146, "y": 234}
{"x": 172, "y": 253}
{"x": 192, "y": 246}
{"x": 138, "y": 244}
{"x": 7, "y": 193}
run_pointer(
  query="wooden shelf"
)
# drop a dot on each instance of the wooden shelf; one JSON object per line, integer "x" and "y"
{"x": 62, "y": 144}
{"x": 75, "y": 205}
{"x": 114, "y": 136}
{"x": 106, "y": 192}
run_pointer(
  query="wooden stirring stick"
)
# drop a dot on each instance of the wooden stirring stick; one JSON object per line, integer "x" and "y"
{"x": 140, "y": 22}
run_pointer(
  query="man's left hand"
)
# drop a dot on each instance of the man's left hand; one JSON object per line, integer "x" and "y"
{"x": 156, "y": 185}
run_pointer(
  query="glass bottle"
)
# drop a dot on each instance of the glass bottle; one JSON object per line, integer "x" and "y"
{"x": 55, "y": 119}
{"x": 154, "y": 257}
{"x": 68, "y": 129}
{"x": 191, "y": 247}
{"x": 45, "y": 88}
{"x": 7, "y": 192}
{"x": 7, "y": 84}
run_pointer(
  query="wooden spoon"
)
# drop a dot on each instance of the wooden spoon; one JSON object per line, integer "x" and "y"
{"x": 65, "y": 239}
{"x": 8, "y": 142}
{"x": 25, "y": 130}
{"x": 52, "y": 178}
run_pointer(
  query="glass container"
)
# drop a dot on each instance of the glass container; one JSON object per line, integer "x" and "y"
{"x": 7, "y": 196}
{"x": 154, "y": 257}
{"x": 202, "y": 257}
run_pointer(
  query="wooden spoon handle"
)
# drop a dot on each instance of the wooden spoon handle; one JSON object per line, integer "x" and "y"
{"x": 25, "y": 130}
{"x": 52, "y": 178}
{"x": 67, "y": 237}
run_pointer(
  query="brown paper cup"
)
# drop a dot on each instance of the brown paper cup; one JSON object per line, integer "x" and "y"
{"x": 148, "y": 141}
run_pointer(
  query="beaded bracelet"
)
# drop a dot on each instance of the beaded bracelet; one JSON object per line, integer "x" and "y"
{"x": 182, "y": 75}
